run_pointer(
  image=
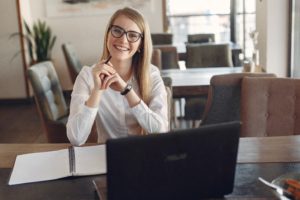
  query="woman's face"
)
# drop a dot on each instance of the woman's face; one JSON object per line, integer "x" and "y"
{"x": 123, "y": 45}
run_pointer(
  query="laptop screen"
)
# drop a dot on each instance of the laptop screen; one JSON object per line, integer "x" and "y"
{"x": 183, "y": 164}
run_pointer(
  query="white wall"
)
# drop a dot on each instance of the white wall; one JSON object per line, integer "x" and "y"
{"x": 272, "y": 25}
{"x": 85, "y": 33}
{"x": 12, "y": 82}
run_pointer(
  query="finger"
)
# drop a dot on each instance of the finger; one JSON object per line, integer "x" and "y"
{"x": 109, "y": 80}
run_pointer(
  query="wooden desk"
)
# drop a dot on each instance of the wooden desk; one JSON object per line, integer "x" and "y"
{"x": 268, "y": 157}
{"x": 251, "y": 150}
{"x": 195, "y": 81}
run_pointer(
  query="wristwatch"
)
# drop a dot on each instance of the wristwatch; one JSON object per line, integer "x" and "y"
{"x": 126, "y": 89}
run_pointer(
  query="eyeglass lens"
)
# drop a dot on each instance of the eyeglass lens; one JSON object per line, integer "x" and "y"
{"x": 131, "y": 36}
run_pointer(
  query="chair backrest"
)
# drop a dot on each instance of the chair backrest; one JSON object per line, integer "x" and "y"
{"x": 208, "y": 55}
{"x": 50, "y": 101}
{"x": 73, "y": 63}
{"x": 224, "y": 97}
{"x": 156, "y": 58}
{"x": 270, "y": 107}
{"x": 201, "y": 38}
{"x": 168, "y": 85}
{"x": 162, "y": 38}
{"x": 169, "y": 56}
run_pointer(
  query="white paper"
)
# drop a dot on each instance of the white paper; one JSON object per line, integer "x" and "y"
{"x": 43, "y": 166}
{"x": 90, "y": 160}
{"x": 52, "y": 165}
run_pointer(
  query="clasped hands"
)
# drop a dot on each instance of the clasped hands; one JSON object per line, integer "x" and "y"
{"x": 106, "y": 76}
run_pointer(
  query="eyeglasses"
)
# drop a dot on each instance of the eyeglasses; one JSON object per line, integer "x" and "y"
{"x": 131, "y": 36}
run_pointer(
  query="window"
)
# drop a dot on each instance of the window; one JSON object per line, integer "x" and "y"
{"x": 214, "y": 16}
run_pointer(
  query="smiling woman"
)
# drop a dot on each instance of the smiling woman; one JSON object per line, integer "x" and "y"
{"x": 123, "y": 93}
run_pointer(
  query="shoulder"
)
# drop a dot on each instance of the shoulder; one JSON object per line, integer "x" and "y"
{"x": 154, "y": 71}
{"x": 85, "y": 75}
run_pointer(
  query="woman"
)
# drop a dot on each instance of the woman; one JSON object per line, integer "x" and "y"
{"x": 123, "y": 93}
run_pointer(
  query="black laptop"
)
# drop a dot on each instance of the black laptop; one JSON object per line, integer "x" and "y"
{"x": 185, "y": 164}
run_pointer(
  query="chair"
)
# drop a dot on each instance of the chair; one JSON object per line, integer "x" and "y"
{"x": 201, "y": 38}
{"x": 51, "y": 104}
{"x": 169, "y": 56}
{"x": 224, "y": 97}
{"x": 50, "y": 101}
{"x": 156, "y": 58}
{"x": 73, "y": 63}
{"x": 204, "y": 55}
{"x": 208, "y": 55}
{"x": 270, "y": 107}
{"x": 162, "y": 38}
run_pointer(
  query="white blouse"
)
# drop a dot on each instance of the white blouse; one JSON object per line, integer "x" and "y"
{"x": 114, "y": 118}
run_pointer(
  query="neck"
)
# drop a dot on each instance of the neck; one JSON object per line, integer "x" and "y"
{"x": 123, "y": 67}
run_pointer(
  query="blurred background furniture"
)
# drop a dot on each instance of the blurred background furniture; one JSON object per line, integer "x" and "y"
{"x": 162, "y": 38}
{"x": 270, "y": 107}
{"x": 201, "y": 38}
{"x": 208, "y": 55}
{"x": 204, "y": 55}
{"x": 72, "y": 60}
{"x": 50, "y": 102}
{"x": 224, "y": 97}
{"x": 169, "y": 56}
{"x": 156, "y": 58}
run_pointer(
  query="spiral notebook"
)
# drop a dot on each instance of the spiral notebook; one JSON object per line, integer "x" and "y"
{"x": 43, "y": 166}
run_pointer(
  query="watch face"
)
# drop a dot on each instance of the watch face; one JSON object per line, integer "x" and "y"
{"x": 127, "y": 89}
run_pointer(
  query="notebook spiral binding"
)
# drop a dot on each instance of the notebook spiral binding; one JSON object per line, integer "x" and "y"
{"x": 72, "y": 160}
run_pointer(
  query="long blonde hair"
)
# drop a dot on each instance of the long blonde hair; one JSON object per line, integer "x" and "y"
{"x": 142, "y": 58}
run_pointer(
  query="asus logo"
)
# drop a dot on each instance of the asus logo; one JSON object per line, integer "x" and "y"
{"x": 176, "y": 157}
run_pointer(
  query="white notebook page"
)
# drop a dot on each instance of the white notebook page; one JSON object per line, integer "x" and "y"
{"x": 90, "y": 160}
{"x": 42, "y": 166}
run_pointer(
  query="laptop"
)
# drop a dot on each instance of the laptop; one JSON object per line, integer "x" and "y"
{"x": 183, "y": 164}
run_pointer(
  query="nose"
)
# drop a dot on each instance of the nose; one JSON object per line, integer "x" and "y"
{"x": 123, "y": 38}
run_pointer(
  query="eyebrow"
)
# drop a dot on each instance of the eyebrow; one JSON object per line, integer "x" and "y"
{"x": 127, "y": 30}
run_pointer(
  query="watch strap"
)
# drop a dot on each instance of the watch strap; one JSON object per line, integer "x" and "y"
{"x": 126, "y": 89}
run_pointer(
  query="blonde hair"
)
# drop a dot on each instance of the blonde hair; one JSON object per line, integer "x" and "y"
{"x": 142, "y": 58}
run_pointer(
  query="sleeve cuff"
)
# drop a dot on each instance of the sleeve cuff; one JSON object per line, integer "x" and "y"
{"x": 141, "y": 107}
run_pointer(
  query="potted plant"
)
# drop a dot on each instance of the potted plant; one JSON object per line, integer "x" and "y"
{"x": 40, "y": 41}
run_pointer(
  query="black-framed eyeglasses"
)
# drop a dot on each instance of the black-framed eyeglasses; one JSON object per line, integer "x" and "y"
{"x": 132, "y": 36}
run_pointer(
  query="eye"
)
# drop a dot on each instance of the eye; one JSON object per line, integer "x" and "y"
{"x": 133, "y": 35}
{"x": 117, "y": 31}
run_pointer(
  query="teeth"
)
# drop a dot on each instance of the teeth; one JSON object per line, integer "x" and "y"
{"x": 122, "y": 48}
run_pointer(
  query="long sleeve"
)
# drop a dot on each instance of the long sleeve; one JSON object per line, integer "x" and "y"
{"x": 81, "y": 117}
{"x": 154, "y": 118}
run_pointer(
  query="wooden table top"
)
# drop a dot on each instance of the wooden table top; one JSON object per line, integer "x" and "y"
{"x": 251, "y": 150}
{"x": 195, "y": 81}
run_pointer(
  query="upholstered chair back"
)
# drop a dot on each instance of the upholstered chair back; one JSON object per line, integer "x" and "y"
{"x": 208, "y": 55}
{"x": 72, "y": 60}
{"x": 50, "y": 100}
{"x": 224, "y": 97}
{"x": 156, "y": 58}
{"x": 162, "y": 38}
{"x": 270, "y": 107}
{"x": 169, "y": 56}
{"x": 201, "y": 38}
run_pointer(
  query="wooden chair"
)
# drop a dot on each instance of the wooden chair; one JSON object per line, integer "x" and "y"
{"x": 162, "y": 38}
{"x": 50, "y": 101}
{"x": 270, "y": 107}
{"x": 201, "y": 38}
{"x": 224, "y": 97}
{"x": 171, "y": 105}
{"x": 169, "y": 56}
{"x": 73, "y": 63}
